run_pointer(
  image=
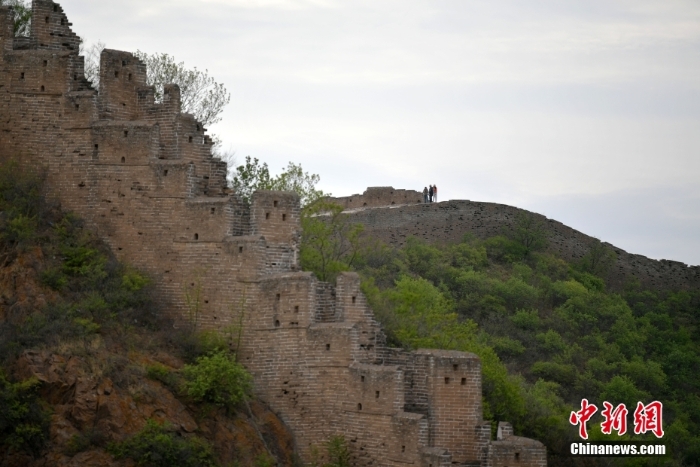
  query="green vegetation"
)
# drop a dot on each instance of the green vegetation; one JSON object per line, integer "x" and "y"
{"x": 96, "y": 292}
{"x": 22, "y": 18}
{"x": 200, "y": 94}
{"x": 549, "y": 333}
{"x": 336, "y": 451}
{"x": 160, "y": 446}
{"x": 217, "y": 379}
{"x": 254, "y": 176}
{"x": 330, "y": 243}
{"x": 83, "y": 303}
{"x": 24, "y": 421}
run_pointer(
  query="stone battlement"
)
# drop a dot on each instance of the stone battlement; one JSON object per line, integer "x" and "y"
{"x": 378, "y": 196}
{"x": 142, "y": 175}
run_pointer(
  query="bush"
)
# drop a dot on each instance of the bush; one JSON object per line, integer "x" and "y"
{"x": 525, "y": 319}
{"x": 21, "y": 204}
{"x": 338, "y": 452}
{"x": 192, "y": 344}
{"x": 505, "y": 250}
{"x": 24, "y": 423}
{"x": 217, "y": 379}
{"x": 163, "y": 374}
{"x": 96, "y": 292}
{"x": 157, "y": 446}
{"x": 83, "y": 441}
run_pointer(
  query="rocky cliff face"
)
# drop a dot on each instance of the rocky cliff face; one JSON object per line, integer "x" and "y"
{"x": 87, "y": 405}
{"x": 97, "y": 390}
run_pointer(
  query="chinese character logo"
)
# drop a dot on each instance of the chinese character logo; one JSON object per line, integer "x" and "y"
{"x": 582, "y": 416}
{"x": 648, "y": 418}
{"x": 614, "y": 419}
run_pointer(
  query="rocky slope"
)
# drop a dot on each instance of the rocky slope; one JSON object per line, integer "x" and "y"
{"x": 79, "y": 330}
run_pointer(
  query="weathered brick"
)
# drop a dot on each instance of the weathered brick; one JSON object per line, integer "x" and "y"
{"x": 142, "y": 175}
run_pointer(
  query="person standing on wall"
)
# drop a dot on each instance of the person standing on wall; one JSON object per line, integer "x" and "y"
{"x": 425, "y": 194}
{"x": 435, "y": 193}
{"x": 430, "y": 193}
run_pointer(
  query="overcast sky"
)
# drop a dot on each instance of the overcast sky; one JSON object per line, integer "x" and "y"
{"x": 585, "y": 111}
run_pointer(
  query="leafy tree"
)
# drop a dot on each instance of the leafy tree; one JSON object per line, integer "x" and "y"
{"x": 293, "y": 178}
{"x": 22, "y": 13}
{"x": 530, "y": 232}
{"x": 330, "y": 244}
{"x": 254, "y": 175}
{"x": 200, "y": 94}
{"x": 92, "y": 61}
{"x": 548, "y": 332}
{"x": 599, "y": 259}
{"x": 251, "y": 177}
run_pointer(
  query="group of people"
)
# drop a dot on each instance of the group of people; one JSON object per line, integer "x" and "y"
{"x": 430, "y": 194}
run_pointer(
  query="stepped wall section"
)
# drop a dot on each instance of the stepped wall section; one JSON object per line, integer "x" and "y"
{"x": 141, "y": 174}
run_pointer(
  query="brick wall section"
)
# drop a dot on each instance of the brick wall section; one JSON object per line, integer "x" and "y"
{"x": 449, "y": 221}
{"x": 377, "y": 196}
{"x": 514, "y": 451}
{"x": 142, "y": 175}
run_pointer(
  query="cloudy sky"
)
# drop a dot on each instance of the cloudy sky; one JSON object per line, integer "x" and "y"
{"x": 585, "y": 111}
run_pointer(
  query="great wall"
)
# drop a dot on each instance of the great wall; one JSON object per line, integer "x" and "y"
{"x": 392, "y": 216}
{"x": 142, "y": 175}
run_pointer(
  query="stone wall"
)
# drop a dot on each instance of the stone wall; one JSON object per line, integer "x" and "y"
{"x": 450, "y": 221}
{"x": 376, "y": 196}
{"x": 142, "y": 175}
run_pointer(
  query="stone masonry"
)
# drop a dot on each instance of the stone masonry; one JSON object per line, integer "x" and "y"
{"x": 392, "y": 216}
{"x": 379, "y": 196}
{"x": 142, "y": 175}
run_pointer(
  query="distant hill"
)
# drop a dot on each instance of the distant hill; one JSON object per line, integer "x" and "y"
{"x": 393, "y": 216}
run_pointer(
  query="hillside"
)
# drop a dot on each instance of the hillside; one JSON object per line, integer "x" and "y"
{"x": 555, "y": 316}
{"x": 92, "y": 371}
{"x": 225, "y": 272}
{"x": 141, "y": 174}
{"x": 394, "y": 215}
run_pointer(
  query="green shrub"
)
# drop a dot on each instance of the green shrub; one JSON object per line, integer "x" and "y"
{"x": 552, "y": 371}
{"x": 265, "y": 460}
{"x": 503, "y": 249}
{"x": 24, "y": 422}
{"x": 525, "y": 319}
{"x": 83, "y": 441}
{"x": 193, "y": 344}
{"x": 338, "y": 452}
{"x": 21, "y": 204}
{"x": 217, "y": 379}
{"x": 96, "y": 292}
{"x": 134, "y": 281}
{"x": 622, "y": 389}
{"x": 505, "y": 346}
{"x": 530, "y": 232}
{"x": 157, "y": 446}
{"x": 163, "y": 374}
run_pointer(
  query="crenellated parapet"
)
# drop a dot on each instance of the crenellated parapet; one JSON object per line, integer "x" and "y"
{"x": 142, "y": 174}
